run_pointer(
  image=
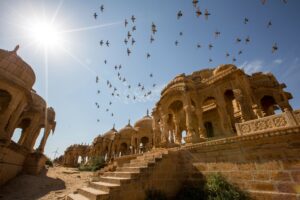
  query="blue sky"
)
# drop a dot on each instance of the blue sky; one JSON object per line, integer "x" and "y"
{"x": 66, "y": 76}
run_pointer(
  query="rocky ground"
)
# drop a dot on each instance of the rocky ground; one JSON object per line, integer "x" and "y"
{"x": 54, "y": 183}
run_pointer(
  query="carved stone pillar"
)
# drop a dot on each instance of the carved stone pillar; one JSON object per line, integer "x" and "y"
{"x": 246, "y": 110}
{"x": 202, "y": 131}
{"x": 44, "y": 139}
{"x": 165, "y": 129}
{"x": 10, "y": 115}
{"x": 191, "y": 136}
{"x": 178, "y": 136}
{"x": 156, "y": 129}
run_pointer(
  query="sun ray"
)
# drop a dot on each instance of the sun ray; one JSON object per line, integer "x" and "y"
{"x": 78, "y": 60}
{"x": 56, "y": 11}
{"x": 90, "y": 27}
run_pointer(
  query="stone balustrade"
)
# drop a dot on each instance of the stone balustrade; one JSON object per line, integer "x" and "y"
{"x": 287, "y": 119}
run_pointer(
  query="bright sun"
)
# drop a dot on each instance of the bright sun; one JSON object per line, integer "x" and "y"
{"x": 45, "y": 34}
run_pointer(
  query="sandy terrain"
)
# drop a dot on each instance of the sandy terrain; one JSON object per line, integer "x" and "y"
{"x": 54, "y": 183}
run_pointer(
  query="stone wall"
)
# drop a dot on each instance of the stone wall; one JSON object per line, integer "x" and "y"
{"x": 266, "y": 164}
{"x": 11, "y": 162}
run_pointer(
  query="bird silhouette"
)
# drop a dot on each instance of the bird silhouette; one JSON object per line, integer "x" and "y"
{"x": 133, "y": 18}
{"x": 128, "y": 51}
{"x": 195, "y": 2}
{"x": 198, "y": 12}
{"x": 125, "y": 22}
{"x": 151, "y": 39}
{"x": 95, "y": 15}
{"x": 179, "y": 14}
{"x": 269, "y": 24}
{"x": 274, "y": 48}
{"x": 246, "y": 20}
{"x": 206, "y": 14}
{"x": 102, "y": 8}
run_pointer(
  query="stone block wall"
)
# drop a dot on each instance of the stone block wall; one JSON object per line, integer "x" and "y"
{"x": 266, "y": 165}
{"x": 11, "y": 162}
{"x": 165, "y": 176}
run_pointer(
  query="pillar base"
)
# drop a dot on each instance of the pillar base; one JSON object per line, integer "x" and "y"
{"x": 34, "y": 163}
{"x": 193, "y": 139}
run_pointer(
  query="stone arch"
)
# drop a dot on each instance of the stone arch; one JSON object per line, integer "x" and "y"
{"x": 211, "y": 114}
{"x": 123, "y": 148}
{"x": 21, "y": 130}
{"x": 268, "y": 105}
{"x": 5, "y": 99}
{"x": 145, "y": 141}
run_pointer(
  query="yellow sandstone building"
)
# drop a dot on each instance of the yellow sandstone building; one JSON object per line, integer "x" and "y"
{"x": 214, "y": 120}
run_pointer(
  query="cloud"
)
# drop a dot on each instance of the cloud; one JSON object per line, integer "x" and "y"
{"x": 253, "y": 66}
{"x": 277, "y": 61}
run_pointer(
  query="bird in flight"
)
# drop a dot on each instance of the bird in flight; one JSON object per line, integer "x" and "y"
{"x": 148, "y": 55}
{"x": 107, "y": 43}
{"x": 151, "y": 39}
{"x": 128, "y": 35}
{"x": 153, "y": 28}
{"x": 217, "y": 34}
{"x": 102, "y": 8}
{"x": 198, "y": 12}
{"x": 125, "y": 41}
{"x": 195, "y": 2}
{"x": 95, "y": 15}
{"x": 198, "y": 45}
{"x": 274, "y": 48}
{"x": 210, "y": 60}
{"x": 206, "y": 14}
{"x": 125, "y": 22}
{"x": 133, "y": 28}
{"x": 179, "y": 14}
{"x": 180, "y": 33}
{"x": 151, "y": 75}
{"x": 128, "y": 51}
{"x": 101, "y": 42}
{"x": 176, "y": 43}
{"x": 227, "y": 55}
{"x": 246, "y": 20}
{"x": 269, "y": 24}
{"x": 97, "y": 79}
{"x": 132, "y": 41}
{"x": 247, "y": 40}
{"x": 240, "y": 52}
{"x": 238, "y": 40}
{"x": 133, "y": 18}
{"x": 210, "y": 46}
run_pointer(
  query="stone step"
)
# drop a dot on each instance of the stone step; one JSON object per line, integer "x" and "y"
{"x": 114, "y": 180}
{"x": 104, "y": 186}
{"x": 140, "y": 164}
{"x": 131, "y": 169}
{"x": 93, "y": 194}
{"x": 74, "y": 196}
{"x": 142, "y": 161}
{"x": 121, "y": 174}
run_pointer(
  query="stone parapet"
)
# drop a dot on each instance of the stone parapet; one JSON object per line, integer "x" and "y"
{"x": 288, "y": 119}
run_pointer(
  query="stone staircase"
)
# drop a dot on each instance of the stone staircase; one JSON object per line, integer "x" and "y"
{"x": 112, "y": 182}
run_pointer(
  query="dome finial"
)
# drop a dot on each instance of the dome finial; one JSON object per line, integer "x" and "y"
{"x": 128, "y": 122}
{"x": 16, "y": 49}
{"x": 147, "y": 112}
{"x": 113, "y": 126}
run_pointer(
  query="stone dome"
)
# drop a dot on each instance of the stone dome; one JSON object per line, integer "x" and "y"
{"x": 110, "y": 134}
{"x": 38, "y": 101}
{"x": 127, "y": 131}
{"x": 222, "y": 68}
{"x": 144, "y": 123}
{"x": 15, "y": 69}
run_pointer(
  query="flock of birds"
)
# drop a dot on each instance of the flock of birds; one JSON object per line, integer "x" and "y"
{"x": 129, "y": 41}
